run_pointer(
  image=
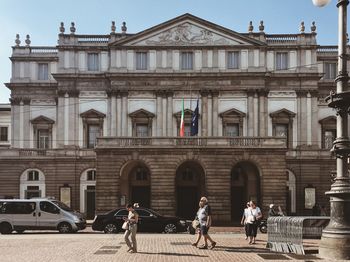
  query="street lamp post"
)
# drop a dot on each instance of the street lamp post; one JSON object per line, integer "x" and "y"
{"x": 335, "y": 241}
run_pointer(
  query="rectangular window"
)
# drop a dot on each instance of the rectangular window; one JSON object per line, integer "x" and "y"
{"x": 330, "y": 70}
{"x": 141, "y": 130}
{"x": 281, "y": 130}
{"x": 43, "y": 138}
{"x": 232, "y": 130}
{"x": 281, "y": 61}
{"x": 93, "y": 133}
{"x": 329, "y": 136}
{"x": 186, "y": 60}
{"x": 233, "y": 60}
{"x": 93, "y": 63}
{"x": 43, "y": 71}
{"x": 141, "y": 60}
{"x": 187, "y": 129}
{"x": 4, "y": 133}
{"x": 33, "y": 175}
{"x": 91, "y": 175}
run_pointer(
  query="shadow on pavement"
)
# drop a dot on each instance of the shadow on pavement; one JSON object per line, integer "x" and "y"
{"x": 172, "y": 254}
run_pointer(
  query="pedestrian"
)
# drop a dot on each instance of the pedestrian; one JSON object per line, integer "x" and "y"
{"x": 244, "y": 220}
{"x": 204, "y": 217}
{"x": 132, "y": 221}
{"x": 280, "y": 211}
{"x": 323, "y": 211}
{"x": 316, "y": 210}
{"x": 272, "y": 211}
{"x": 196, "y": 226}
{"x": 252, "y": 221}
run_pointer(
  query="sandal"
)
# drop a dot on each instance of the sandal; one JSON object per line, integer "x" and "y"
{"x": 194, "y": 244}
{"x": 213, "y": 245}
{"x": 203, "y": 247}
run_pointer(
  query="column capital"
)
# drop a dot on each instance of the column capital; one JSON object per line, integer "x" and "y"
{"x": 26, "y": 100}
{"x": 301, "y": 93}
{"x": 204, "y": 92}
{"x": 263, "y": 92}
{"x": 15, "y": 101}
{"x": 251, "y": 92}
{"x": 214, "y": 93}
{"x": 313, "y": 93}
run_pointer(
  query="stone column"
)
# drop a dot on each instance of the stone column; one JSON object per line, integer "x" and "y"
{"x": 26, "y": 124}
{"x": 109, "y": 113}
{"x": 21, "y": 124}
{"x": 308, "y": 118}
{"x": 215, "y": 95}
{"x": 15, "y": 122}
{"x": 119, "y": 115}
{"x": 301, "y": 117}
{"x": 314, "y": 117}
{"x": 256, "y": 114}
{"x": 250, "y": 113}
{"x": 113, "y": 120}
{"x": 60, "y": 119}
{"x": 124, "y": 113}
{"x": 66, "y": 119}
{"x": 170, "y": 114}
{"x": 263, "y": 112}
{"x": 210, "y": 115}
{"x": 159, "y": 116}
{"x": 164, "y": 114}
{"x": 73, "y": 121}
{"x": 204, "y": 116}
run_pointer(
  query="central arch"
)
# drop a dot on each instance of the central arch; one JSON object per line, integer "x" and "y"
{"x": 136, "y": 184}
{"x": 190, "y": 186}
{"x": 245, "y": 186}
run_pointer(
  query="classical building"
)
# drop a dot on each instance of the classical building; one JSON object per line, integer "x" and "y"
{"x": 95, "y": 119}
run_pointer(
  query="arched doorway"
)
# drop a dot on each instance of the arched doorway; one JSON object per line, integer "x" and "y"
{"x": 87, "y": 193}
{"x": 135, "y": 184}
{"x": 190, "y": 185}
{"x": 245, "y": 186}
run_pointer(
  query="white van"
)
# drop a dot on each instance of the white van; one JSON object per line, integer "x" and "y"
{"x": 22, "y": 214}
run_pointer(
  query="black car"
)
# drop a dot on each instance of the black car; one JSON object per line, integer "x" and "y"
{"x": 149, "y": 221}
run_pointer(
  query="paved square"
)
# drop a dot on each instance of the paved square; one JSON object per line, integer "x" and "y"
{"x": 92, "y": 246}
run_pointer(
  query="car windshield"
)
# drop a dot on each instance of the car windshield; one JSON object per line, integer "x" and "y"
{"x": 154, "y": 213}
{"x": 62, "y": 206}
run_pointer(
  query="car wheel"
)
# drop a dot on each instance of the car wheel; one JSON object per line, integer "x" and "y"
{"x": 263, "y": 229}
{"x": 110, "y": 228}
{"x": 170, "y": 228}
{"x": 20, "y": 231}
{"x": 5, "y": 228}
{"x": 64, "y": 227}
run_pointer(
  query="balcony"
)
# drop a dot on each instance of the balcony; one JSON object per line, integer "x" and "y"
{"x": 49, "y": 153}
{"x": 192, "y": 142}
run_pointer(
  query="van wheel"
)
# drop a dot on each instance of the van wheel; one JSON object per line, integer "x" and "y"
{"x": 5, "y": 228}
{"x": 64, "y": 227}
{"x": 20, "y": 231}
{"x": 110, "y": 228}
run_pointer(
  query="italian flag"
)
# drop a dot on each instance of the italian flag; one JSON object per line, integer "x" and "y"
{"x": 182, "y": 123}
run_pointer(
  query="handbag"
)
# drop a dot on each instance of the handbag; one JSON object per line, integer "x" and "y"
{"x": 125, "y": 225}
{"x": 195, "y": 223}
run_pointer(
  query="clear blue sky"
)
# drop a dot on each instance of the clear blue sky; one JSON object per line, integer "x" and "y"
{"x": 41, "y": 18}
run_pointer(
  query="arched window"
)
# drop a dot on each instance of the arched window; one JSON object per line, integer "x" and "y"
{"x": 32, "y": 184}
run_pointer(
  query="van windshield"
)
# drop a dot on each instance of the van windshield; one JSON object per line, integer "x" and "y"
{"x": 62, "y": 205}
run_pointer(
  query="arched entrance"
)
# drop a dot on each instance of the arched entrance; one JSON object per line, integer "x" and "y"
{"x": 32, "y": 184}
{"x": 245, "y": 186}
{"x": 190, "y": 185}
{"x": 135, "y": 184}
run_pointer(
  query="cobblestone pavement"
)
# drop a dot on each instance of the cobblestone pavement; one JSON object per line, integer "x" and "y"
{"x": 94, "y": 246}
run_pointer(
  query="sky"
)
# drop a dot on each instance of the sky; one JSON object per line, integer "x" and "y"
{"x": 41, "y": 19}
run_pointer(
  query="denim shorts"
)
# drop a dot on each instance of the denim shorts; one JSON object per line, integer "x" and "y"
{"x": 204, "y": 230}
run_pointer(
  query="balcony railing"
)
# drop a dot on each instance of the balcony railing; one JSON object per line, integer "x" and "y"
{"x": 210, "y": 142}
{"x": 282, "y": 39}
{"x": 19, "y": 152}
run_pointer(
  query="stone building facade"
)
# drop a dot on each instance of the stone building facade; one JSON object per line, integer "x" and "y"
{"x": 95, "y": 119}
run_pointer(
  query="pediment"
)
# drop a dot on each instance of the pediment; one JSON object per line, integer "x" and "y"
{"x": 187, "y": 30}
{"x": 187, "y": 112}
{"x": 42, "y": 120}
{"x": 92, "y": 113}
{"x": 330, "y": 120}
{"x": 141, "y": 113}
{"x": 233, "y": 113}
{"x": 282, "y": 113}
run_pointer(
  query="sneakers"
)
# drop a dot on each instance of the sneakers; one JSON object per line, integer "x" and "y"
{"x": 213, "y": 245}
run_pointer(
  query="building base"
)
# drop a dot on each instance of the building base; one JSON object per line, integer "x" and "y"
{"x": 335, "y": 246}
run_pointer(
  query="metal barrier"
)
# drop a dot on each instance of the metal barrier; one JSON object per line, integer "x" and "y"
{"x": 286, "y": 234}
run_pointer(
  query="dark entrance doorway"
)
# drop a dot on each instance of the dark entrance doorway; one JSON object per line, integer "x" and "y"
{"x": 90, "y": 202}
{"x": 140, "y": 186}
{"x": 189, "y": 188}
{"x": 245, "y": 186}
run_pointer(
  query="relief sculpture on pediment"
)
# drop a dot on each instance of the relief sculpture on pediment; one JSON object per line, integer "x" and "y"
{"x": 187, "y": 34}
